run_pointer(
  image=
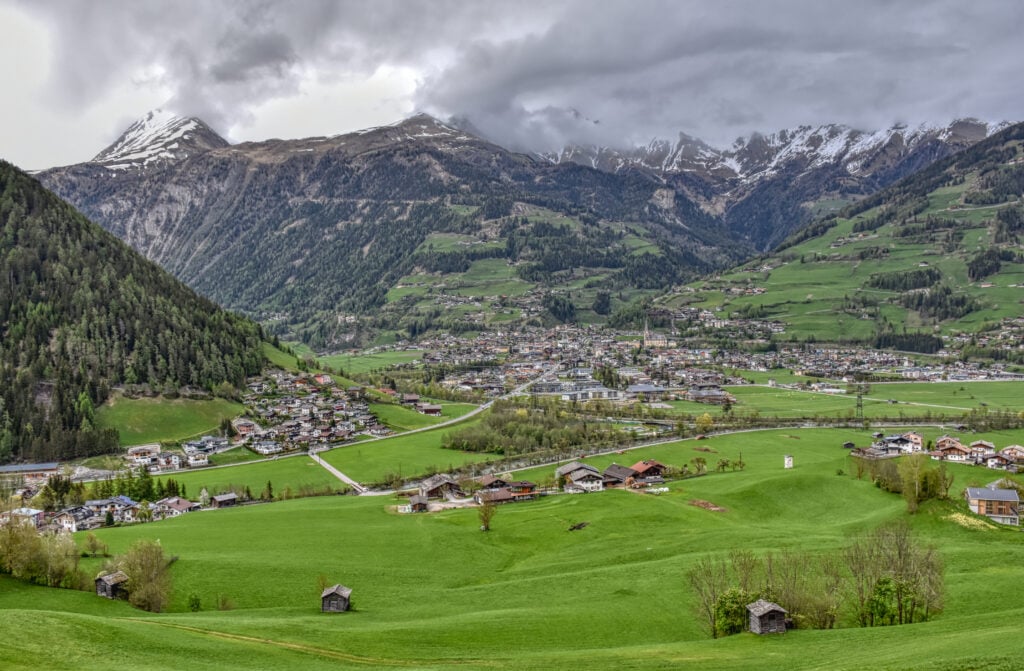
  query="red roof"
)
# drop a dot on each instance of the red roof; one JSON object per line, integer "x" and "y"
{"x": 642, "y": 467}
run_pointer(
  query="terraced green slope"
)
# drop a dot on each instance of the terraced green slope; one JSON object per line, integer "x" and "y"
{"x": 939, "y": 252}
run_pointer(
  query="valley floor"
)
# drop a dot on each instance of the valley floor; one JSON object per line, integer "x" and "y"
{"x": 432, "y": 591}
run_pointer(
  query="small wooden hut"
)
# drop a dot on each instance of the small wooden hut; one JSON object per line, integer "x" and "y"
{"x": 112, "y": 585}
{"x": 224, "y": 500}
{"x": 335, "y": 599}
{"x": 767, "y": 617}
{"x": 418, "y": 504}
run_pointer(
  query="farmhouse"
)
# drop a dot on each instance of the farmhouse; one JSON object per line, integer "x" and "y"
{"x": 76, "y": 519}
{"x": 492, "y": 482}
{"x": 766, "y": 617}
{"x": 439, "y": 486}
{"x": 952, "y": 452}
{"x": 999, "y": 505}
{"x": 649, "y": 469}
{"x": 617, "y": 475}
{"x": 173, "y": 506}
{"x": 335, "y": 599}
{"x": 579, "y": 477}
{"x": 111, "y": 585}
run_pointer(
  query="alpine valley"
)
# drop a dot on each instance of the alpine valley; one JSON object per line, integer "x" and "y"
{"x": 423, "y": 225}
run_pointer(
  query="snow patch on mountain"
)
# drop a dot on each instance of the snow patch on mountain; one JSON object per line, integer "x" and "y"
{"x": 806, "y": 148}
{"x": 159, "y": 136}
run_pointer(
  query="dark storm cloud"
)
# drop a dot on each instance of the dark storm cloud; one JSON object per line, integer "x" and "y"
{"x": 540, "y": 74}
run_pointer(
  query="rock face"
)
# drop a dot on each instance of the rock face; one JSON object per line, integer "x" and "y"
{"x": 310, "y": 231}
{"x": 762, "y": 183}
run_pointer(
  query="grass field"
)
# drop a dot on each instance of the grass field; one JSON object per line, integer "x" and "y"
{"x": 362, "y": 363}
{"x": 294, "y": 472}
{"x": 432, "y": 591}
{"x": 151, "y": 420}
{"x": 401, "y": 418}
{"x": 282, "y": 360}
{"x": 414, "y": 454}
{"x": 911, "y": 400}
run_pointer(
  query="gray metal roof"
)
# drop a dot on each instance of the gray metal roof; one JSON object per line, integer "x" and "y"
{"x": 987, "y": 494}
{"x": 619, "y": 472}
{"x": 29, "y": 468}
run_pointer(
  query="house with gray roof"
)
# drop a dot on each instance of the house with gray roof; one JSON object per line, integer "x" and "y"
{"x": 999, "y": 505}
{"x": 579, "y": 477}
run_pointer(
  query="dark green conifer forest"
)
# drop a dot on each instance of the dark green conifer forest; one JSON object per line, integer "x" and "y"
{"x": 81, "y": 313}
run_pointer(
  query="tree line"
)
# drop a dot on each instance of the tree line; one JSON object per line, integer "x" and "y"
{"x": 880, "y": 578}
{"x": 52, "y": 560}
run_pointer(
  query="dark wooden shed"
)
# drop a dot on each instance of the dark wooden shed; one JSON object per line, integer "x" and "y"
{"x": 335, "y": 599}
{"x": 224, "y": 500}
{"x": 112, "y": 585}
{"x": 418, "y": 504}
{"x": 767, "y": 617}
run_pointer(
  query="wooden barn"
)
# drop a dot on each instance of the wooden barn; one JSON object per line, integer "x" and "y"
{"x": 767, "y": 617}
{"x": 335, "y": 599}
{"x": 224, "y": 500}
{"x": 111, "y": 585}
{"x": 418, "y": 504}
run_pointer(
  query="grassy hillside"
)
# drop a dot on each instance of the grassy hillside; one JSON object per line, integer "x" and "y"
{"x": 885, "y": 267}
{"x": 432, "y": 591}
{"x": 151, "y": 420}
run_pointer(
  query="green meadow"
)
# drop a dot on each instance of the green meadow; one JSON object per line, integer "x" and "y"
{"x": 293, "y": 473}
{"x": 809, "y": 282}
{"x": 151, "y": 420}
{"x": 402, "y": 418}
{"x": 907, "y": 400}
{"x": 411, "y": 454}
{"x": 431, "y": 591}
{"x": 354, "y": 364}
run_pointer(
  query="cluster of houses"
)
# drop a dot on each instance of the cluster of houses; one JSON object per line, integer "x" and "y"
{"x": 155, "y": 459}
{"x": 574, "y": 478}
{"x": 946, "y": 448}
{"x": 94, "y": 513}
{"x": 577, "y": 477}
{"x": 491, "y": 489}
{"x": 298, "y": 412}
{"x": 580, "y": 385}
{"x": 119, "y": 509}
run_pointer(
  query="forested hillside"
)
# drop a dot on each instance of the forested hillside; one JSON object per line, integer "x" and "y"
{"x": 80, "y": 312}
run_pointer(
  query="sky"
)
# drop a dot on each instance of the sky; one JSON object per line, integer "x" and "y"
{"x": 529, "y": 74}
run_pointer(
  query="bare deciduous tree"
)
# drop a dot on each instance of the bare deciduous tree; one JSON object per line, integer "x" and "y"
{"x": 709, "y": 578}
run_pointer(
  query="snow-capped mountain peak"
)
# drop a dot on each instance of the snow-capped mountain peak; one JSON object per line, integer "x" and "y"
{"x": 158, "y": 137}
{"x": 803, "y": 149}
